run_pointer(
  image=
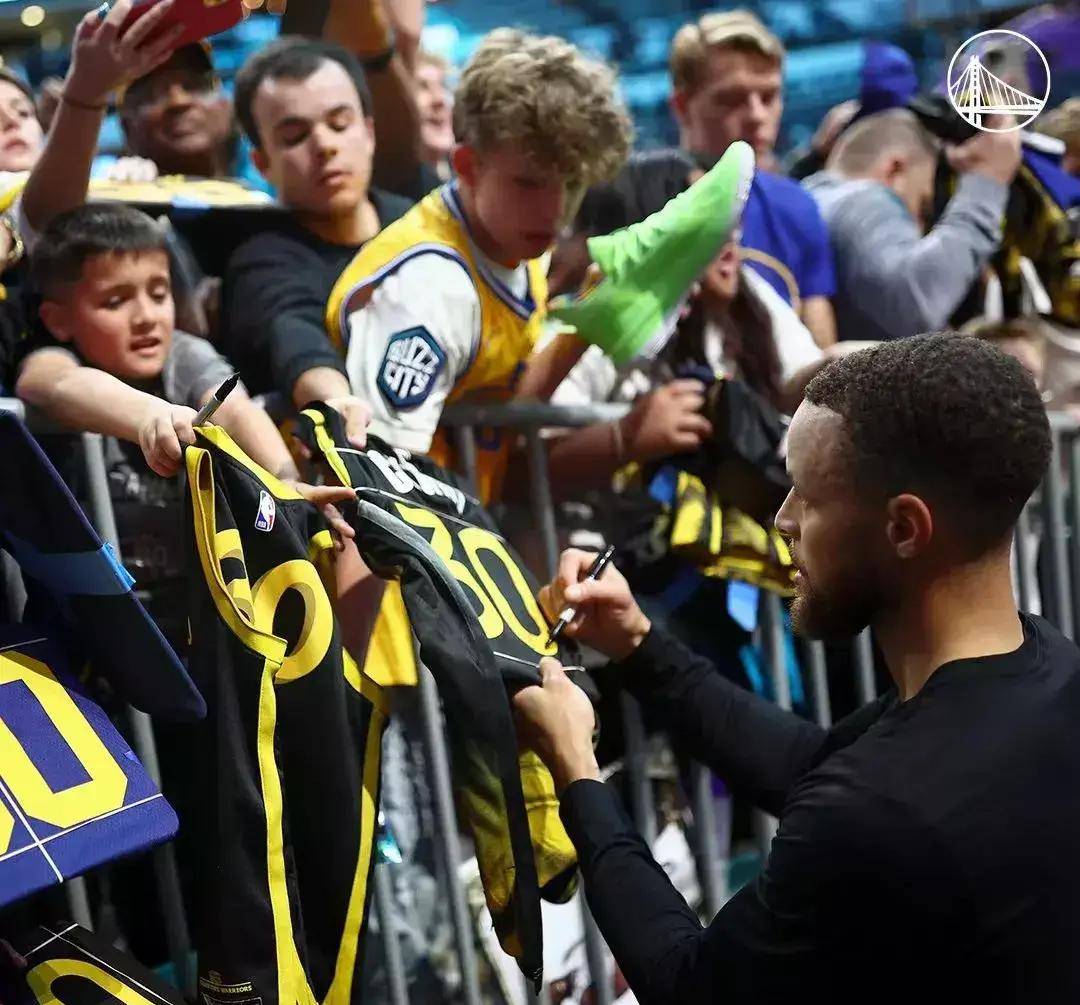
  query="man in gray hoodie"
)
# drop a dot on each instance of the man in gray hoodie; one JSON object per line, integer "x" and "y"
{"x": 893, "y": 277}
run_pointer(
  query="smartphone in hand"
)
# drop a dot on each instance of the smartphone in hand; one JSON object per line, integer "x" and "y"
{"x": 200, "y": 18}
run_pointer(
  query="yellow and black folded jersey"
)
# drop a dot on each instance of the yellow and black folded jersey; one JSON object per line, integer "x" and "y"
{"x": 66, "y": 963}
{"x": 672, "y": 512}
{"x": 288, "y": 758}
{"x": 472, "y": 608}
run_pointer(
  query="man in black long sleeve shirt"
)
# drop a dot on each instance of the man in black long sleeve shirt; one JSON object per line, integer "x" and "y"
{"x": 926, "y": 842}
{"x": 306, "y": 107}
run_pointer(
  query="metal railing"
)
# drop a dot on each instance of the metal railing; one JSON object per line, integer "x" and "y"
{"x": 1048, "y": 539}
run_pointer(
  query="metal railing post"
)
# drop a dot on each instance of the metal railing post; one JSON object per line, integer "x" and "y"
{"x": 712, "y": 858}
{"x": 384, "y": 909}
{"x": 1073, "y": 441}
{"x": 772, "y": 643}
{"x": 775, "y": 650}
{"x": 637, "y": 770}
{"x": 465, "y": 448}
{"x": 863, "y": 651}
{"x": 1054, "y": 509}
{"x": 819, "y": 683}
{"x": 542, "y": 503}
{"x": 1022, "y": 556}
{"x": 544, "y": 512}
{"x": 177, "y": 935}
{"x": 446, "y": 821}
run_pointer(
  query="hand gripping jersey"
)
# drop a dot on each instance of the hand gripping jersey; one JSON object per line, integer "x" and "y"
{"x": 72, "y": 794}
{"x": 288, "y": 758}
{"x": 509, "y": 327}
{"x": 68, "y": 964}
{"x": 78, "y": 590}
{"x": 471, "y": 607}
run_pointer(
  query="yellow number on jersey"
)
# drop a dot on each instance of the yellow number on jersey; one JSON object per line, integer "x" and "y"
{"x": 496, "y": 611}
{"x": 106, "y": 785}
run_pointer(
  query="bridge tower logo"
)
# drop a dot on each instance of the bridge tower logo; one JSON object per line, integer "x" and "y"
{"x": 976, "y": 92}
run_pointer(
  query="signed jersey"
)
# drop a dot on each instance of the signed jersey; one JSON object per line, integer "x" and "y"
{"x": 72, "y": 794}
{"x": 471, "y": 607}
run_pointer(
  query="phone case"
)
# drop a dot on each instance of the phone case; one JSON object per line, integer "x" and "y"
{"x": 201, "y": 18}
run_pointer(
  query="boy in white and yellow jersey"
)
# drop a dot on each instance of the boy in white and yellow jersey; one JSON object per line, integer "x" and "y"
{"x": 447, "y": 303}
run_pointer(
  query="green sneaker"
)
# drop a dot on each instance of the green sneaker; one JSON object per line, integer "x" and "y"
{"x": 649, "y": 266}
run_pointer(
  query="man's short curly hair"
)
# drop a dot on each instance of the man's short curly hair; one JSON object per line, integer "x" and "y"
{"x": 945, "y": 416}
{"x": 548, "y": 97}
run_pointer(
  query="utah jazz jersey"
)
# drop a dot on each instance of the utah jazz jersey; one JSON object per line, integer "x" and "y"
{"x": 68, "y": 964}
{"x": 288, "y": 759}
{"x": 509, "y": 326}
{"x": 72, "y": 794}
{"x": 472, "y": 608}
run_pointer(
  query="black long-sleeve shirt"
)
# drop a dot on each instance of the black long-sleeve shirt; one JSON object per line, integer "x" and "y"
{"x": 273, "y": 301}
{"x": 927, "y": 850}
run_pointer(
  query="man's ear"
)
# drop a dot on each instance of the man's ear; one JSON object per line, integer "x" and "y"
{"x": 894, "y": 167}
{"x": 463, "y": 160}
{"x": 677, "y": 103}
{"x": 910, "y": 526}
{"x": 57, "y": 319}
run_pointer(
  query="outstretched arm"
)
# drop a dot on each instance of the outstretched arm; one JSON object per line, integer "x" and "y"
{"x": 385, "y": 34}
{"x": 755, "y": 746}
{"x": 101, "y": 61}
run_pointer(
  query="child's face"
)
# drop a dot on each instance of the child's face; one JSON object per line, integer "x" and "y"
{"x": 20, "y": 131}
{"x": 521, "y": 205}
{"x": 120, "y": 314}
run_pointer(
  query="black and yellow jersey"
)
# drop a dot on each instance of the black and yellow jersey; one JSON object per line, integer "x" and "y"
{"x": 288, "y": 758}
{"x": 471, "y": 606}
{"x": 66, "y": 963}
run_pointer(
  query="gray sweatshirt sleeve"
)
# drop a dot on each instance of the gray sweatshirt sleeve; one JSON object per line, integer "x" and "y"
{"x": 916, "y": 281}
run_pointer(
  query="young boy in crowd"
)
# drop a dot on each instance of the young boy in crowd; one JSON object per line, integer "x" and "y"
{"x": 448, "y": 301}
{"x": 112, "y": 361}
{"x": 107, "y": 359}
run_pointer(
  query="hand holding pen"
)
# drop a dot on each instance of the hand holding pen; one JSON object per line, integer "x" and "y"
{"x": 590, "y": 601}
{"x": 567, "y": 614}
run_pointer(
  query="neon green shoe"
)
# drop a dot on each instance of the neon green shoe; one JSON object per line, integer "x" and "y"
{"x": 649, "y": 266}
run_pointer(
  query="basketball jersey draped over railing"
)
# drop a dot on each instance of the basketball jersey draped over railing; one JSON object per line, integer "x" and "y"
{"x": 472, "y": 608}
{"x": 288, "y": 757}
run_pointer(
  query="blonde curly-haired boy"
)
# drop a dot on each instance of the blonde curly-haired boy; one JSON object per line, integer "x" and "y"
{"x": 447, "y": 302}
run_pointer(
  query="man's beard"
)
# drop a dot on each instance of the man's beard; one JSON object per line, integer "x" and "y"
{"x": 836, "y": 617}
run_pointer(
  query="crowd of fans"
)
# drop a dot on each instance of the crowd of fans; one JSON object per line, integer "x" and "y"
{"x": 891, "y": 232}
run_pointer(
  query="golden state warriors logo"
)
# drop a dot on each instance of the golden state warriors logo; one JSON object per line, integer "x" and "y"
{"x": 990, "y": 76}
{"x": 410, "y": 366}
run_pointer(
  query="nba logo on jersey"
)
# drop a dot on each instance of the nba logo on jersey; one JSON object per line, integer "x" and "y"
{"x": 267, "y": 512}
{"x": 412, "y": 361}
